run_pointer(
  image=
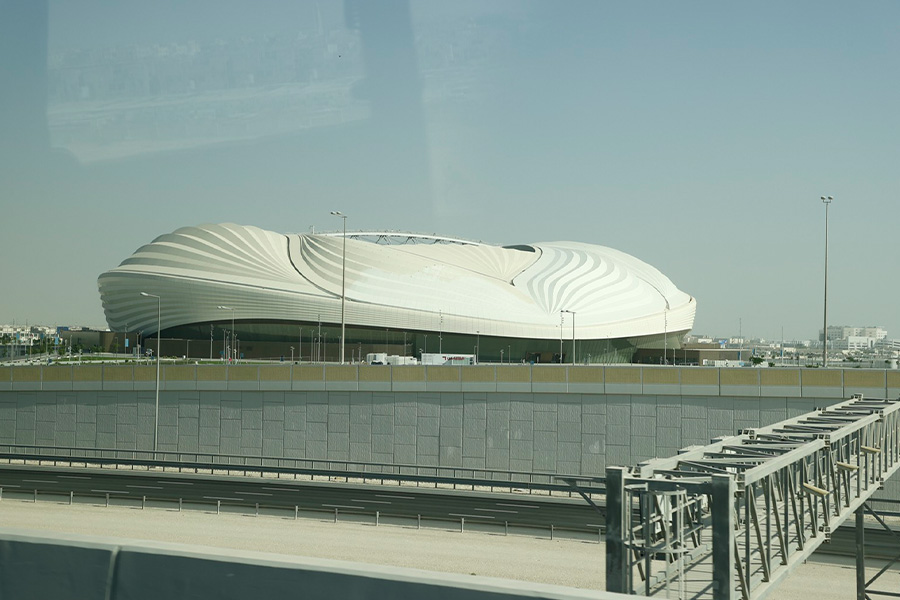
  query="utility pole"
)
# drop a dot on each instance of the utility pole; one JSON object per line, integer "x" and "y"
{"x": 827, "y": 201}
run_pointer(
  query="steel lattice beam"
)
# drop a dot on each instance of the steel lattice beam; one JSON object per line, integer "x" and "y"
{"x": 734, "y": 518}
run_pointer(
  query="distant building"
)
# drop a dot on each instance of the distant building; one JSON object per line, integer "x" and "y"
{"x": 843, "y": 337}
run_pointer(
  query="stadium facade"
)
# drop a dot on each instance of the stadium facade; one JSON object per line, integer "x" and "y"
{"x": 404, "y": 294}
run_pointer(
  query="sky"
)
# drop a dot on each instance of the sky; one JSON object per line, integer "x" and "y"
{"x": 698, "y": 137}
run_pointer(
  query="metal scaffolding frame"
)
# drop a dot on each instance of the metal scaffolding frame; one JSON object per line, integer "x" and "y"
{"x": 734, "y": 518}
{"x": 864, "y": 586}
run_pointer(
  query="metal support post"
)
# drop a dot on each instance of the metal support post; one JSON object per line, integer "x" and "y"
{"x": 616, "y": 560}
{"x": 722, "y": 512}
{"x": 860, "y": 554}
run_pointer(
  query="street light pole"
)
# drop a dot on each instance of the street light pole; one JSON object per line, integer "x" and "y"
{"x": 665, "y": 326}
{"x": 571, "y": 312}
{"x": 666, "y": 335}
{"x": 827, "y": 201}
{"x": 477, "y": 345}
{"x": 158, "y": 340}
{"x": 561, "y": 318}
{"x": 231, "y": 349}
{"x": 338, "y": 213}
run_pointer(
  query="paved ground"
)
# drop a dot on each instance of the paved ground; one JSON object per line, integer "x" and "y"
{"x": 562, "y": 562}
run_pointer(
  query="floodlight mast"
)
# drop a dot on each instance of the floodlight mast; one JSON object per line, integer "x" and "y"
{"x": 231, "y": 348}
{"x": 826, "y": 200}
{"x": 158, "y": 340}
{"x": 338, "y": 213}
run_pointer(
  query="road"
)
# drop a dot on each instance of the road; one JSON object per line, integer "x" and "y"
{"x": 565, "y": 515}
{"x": 269, "y": 493}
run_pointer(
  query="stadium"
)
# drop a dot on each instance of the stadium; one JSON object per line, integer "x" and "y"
{"x": 261, "y": 294}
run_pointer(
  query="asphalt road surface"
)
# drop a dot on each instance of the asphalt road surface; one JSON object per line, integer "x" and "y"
{"x": 571, "y": 514}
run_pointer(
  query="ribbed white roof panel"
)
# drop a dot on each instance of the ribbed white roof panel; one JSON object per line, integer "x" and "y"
{"x": 513, "y": 291}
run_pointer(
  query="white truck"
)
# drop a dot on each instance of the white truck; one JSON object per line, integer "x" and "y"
{"x": 376, "y": 358}
{"x": 383, "y": 358}
{"x": 434, "y": 358}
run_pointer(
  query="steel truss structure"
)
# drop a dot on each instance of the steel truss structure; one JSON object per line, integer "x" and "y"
{"x": 734, "y": 518}
{"x": 864, "y": 585}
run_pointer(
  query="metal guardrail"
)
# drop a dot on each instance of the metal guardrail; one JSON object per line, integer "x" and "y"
{"x": 332, "y": 469}
{"x": 747, "y": 509}
{"x": 335, "y": 515}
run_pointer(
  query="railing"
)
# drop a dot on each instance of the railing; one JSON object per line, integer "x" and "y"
{"x": 457, "y": 477}
{"x": 747, "y": 509}
{"x": 547, "y": 529}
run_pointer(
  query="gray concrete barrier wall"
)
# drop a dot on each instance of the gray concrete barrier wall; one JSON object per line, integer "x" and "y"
{"x": 89, "y": 567}
{"x": 576, "y": 433}
{"x": 460, "y": 416}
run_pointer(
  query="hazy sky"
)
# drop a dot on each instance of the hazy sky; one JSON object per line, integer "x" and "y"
{"x": 697, "y": 136}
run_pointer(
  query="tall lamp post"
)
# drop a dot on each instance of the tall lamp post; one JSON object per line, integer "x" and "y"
{"x": 477, "y": 345}
{"x": 826, "y": 200}
{"x": 666, "y": 335}
{"x": 665, "y": 326}
{"x": 158, "y": 340}
{"x": 338, "y": 213}
{"x": 231, "y": 348}
{"x": 572, "y": 312}
{"x": 561, "y": 318}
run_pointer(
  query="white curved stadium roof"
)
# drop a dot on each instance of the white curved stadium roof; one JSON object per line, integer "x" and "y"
{"x": 461, "y": 287}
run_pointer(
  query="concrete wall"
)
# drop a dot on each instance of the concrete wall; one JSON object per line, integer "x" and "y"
{"x": 518, "y": 431}
{"x": 90, "y": 567}
{"x": 505, "y": 418}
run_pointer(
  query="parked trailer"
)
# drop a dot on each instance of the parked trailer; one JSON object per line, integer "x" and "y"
{"x": 434, "y": 358}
